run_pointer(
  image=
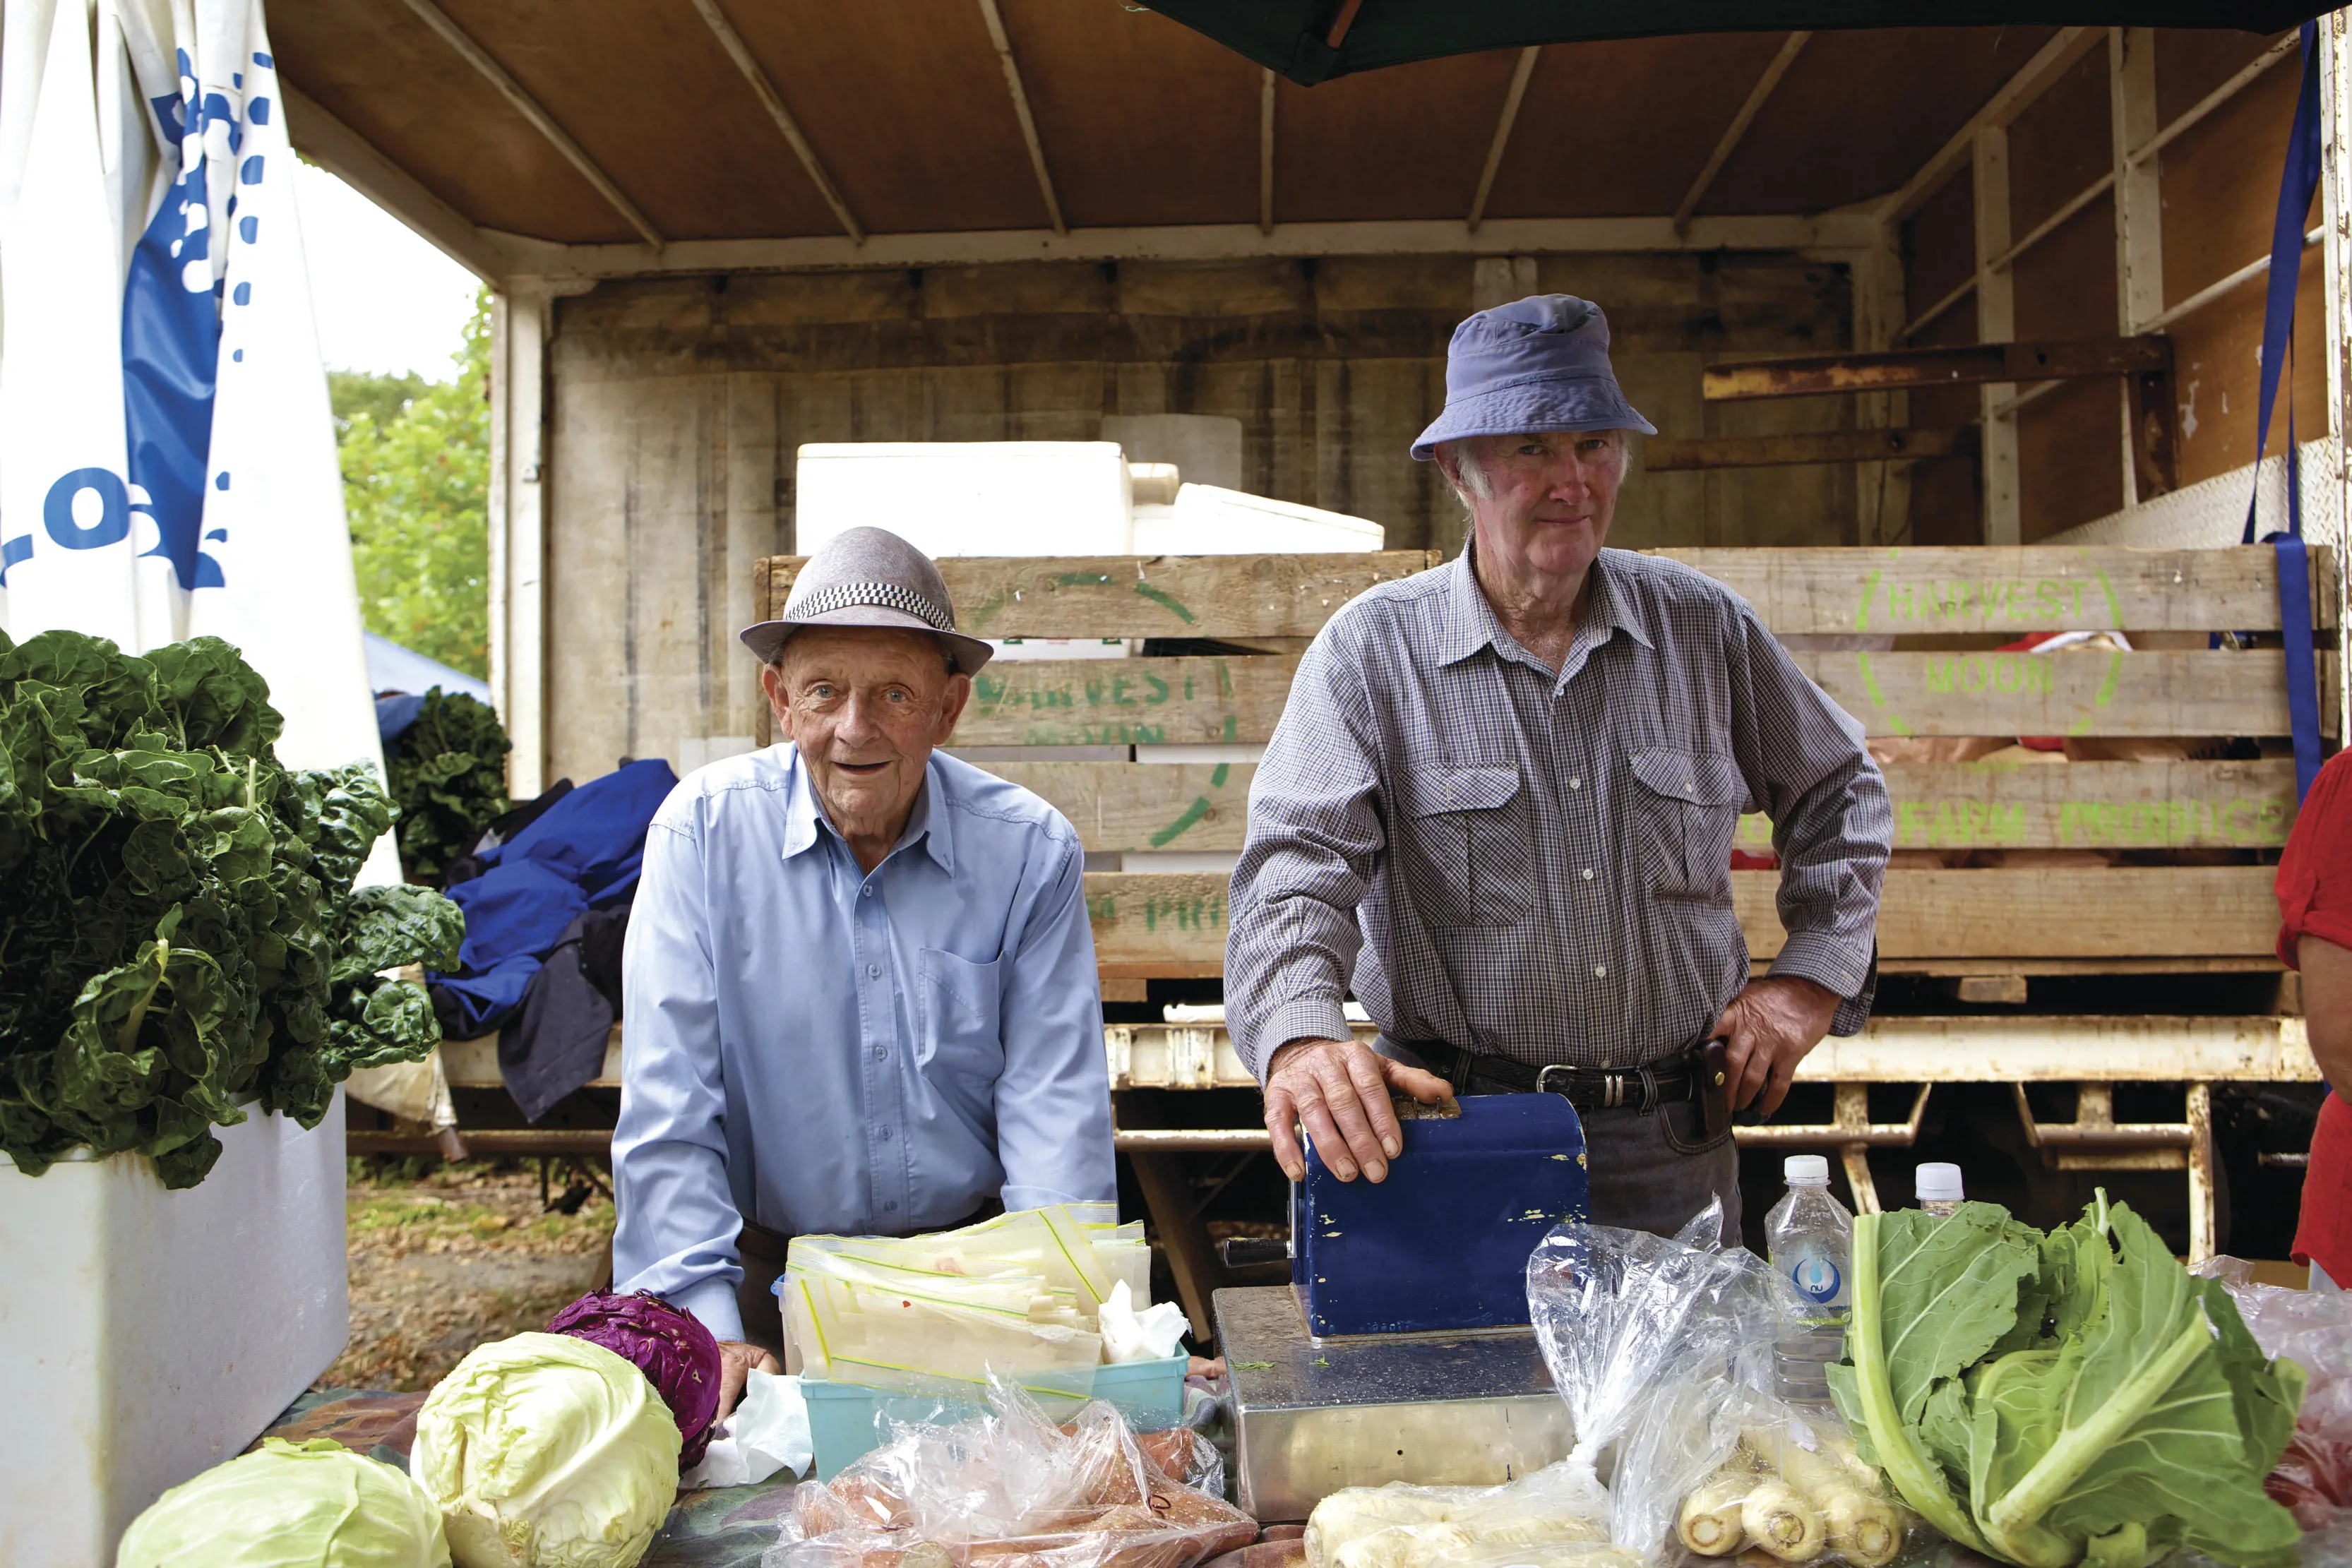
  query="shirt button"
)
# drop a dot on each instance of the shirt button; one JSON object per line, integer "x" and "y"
{"x": 1576, "y": 783}
{"x": 1600, "y": 971}
{"x": 890, "y": 1204}
{"x": 873, "y": 971}
{"x": 881, "y": 1054}
{"x": 868, "y": 890}
{"x": 1588, "y": 874}
{"x": 883, "y": 1134}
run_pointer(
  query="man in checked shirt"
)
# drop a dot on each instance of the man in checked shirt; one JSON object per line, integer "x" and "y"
{"x": 1500, "y": 804}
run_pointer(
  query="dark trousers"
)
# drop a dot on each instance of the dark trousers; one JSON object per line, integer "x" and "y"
{"x": 1640, "y": 1181}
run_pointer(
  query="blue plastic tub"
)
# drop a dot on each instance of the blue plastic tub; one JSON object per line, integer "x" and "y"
{"x": 848, "y": 1421}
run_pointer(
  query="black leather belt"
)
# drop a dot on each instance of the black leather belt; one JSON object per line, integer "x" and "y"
{"x": 1662, "y": 1082}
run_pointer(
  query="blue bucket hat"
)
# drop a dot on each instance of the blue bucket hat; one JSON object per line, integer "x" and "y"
{"x": 1539, "y": 363}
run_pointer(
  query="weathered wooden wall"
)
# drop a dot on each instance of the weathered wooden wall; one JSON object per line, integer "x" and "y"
{"x": 2219, "y": 183}
{"x": 677, "y": 406}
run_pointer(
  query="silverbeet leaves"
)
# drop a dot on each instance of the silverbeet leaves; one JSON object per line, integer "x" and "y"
{"x": 449, "y": 777}
{"x": 180, "y": 932}
{"x": 2063, "y": 1398}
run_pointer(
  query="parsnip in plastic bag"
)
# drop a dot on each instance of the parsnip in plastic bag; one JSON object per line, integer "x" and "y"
{"x": 1647, "y": 1338}
{"x": 1794, "y": 1488}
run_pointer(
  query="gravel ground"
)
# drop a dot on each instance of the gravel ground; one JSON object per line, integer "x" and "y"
{"x": 462, "y": 1254}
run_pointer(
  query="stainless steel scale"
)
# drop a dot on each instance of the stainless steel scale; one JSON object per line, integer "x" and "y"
{"x": 1401, "y": 1349}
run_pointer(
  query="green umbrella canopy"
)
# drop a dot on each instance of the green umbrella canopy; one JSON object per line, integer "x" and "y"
{"x": 1314, "y": 40}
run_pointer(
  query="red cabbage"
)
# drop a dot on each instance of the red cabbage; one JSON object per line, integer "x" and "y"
{"x": 667, "y": 1343}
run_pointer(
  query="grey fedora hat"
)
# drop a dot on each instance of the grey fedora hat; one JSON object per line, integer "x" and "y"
{"x": 869, "y": 576}
{"x": 1539, "y": 363}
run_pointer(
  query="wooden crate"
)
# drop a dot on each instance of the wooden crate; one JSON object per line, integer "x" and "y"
{"x": 1959, "y": 601}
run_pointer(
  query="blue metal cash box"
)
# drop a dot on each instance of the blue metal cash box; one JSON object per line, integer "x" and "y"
{"x": 1443, "y": 1243}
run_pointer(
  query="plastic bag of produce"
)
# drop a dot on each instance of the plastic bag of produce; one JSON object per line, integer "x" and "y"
{"x": 1011, "y": 1487}
{"x": 316, "y": 1502}
{"x": 1021, "y": 1295}
{"x": 912, "y": 1339}
{"x": 2313, "y": 1479}
{"x": 1793, "y": 1489}
{"x": 1557, "y": 1513}
{"x": 544, "y": 1451}
{"x": 1648, "y": 1338}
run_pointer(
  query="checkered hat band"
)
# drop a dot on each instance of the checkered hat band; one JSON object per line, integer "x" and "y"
{"x": 881, "y": 595}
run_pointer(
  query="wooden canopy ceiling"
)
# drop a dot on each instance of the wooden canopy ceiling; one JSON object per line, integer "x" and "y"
{"x": 666, "y": 122}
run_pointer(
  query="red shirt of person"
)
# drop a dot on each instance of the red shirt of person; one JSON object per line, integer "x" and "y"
{"x": 2315, "y": 895}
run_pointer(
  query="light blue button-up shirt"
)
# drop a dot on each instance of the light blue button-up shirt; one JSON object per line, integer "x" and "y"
{"x": 819, "y": 1049}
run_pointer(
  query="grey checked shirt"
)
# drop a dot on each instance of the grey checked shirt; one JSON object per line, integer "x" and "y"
{"x": 1538, "y": 867}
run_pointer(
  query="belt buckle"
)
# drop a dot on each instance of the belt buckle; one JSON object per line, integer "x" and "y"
{"x": 1613, "y": 1086}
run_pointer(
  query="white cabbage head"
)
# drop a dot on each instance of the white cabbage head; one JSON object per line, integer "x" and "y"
{"x": 315, "y": 1505}
{"x": 547, "y": 1451}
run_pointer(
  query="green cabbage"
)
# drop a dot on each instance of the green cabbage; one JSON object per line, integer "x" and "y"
{"x": 2050, "y": 1399}
{"x": 316, "y": 1506}
{"x": 546, "y": 1451}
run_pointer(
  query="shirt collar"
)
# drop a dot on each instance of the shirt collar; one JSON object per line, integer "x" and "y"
{"x": 934, "y": 829}
{"x": 1470, "y": 623}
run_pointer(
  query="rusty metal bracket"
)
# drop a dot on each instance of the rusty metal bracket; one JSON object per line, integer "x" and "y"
{"x": 1851, "y": 1131}
{"x": 2095, "y": 1141}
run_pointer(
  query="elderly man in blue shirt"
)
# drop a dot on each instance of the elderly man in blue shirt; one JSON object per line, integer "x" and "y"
{"x": 859, "y": 989}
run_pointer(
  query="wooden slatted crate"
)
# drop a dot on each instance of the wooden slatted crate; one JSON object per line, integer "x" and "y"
{"x": 1946, "y": 608}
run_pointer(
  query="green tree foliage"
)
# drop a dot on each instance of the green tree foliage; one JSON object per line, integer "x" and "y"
{"x": 384, "y": 399}
{"x": 416, "y": 466}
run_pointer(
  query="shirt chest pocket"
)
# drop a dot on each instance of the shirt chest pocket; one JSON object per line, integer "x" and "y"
{"x": 1470, "y": 857}
{"x": 958, "y": 1003}
{"x": 1686, "y": 814}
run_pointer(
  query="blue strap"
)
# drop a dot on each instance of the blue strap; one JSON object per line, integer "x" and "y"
{"x": 2297, "y": 182}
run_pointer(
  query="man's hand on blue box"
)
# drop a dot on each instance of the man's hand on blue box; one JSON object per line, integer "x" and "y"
{"x": 1338, "y": 1090}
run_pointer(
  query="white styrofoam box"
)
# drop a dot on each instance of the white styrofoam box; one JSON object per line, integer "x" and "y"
{"x": 1208, "y": 520}
{"x": 152, "y": 1334}
{"x": 1206, "y": 447}
{"x": 1209, "y": 862}
{"x": 1017, "y": 648}
{"x": 968, "y": 497}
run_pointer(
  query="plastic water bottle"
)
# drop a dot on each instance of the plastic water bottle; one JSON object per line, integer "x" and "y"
{"x": 1938, "y": 1188}
{"x": 1811, "y": 1238}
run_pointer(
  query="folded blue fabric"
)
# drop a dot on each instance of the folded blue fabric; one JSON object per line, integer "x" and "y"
{"x": 487, "y": 1000}
{"x": 584, "y": 852}
{"x": 596, "y": 834}
{"x": 514, "y": 909}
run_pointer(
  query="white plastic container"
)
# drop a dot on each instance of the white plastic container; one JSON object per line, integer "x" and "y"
{"x": 152, "y": 1334}
{"x": 1207, "y": 520}
{"x": 968, "y": 497}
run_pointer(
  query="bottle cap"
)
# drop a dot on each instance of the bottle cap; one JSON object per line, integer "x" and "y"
{"x": 1938, "y": 1183}
{"x": 1806, "y": 1170}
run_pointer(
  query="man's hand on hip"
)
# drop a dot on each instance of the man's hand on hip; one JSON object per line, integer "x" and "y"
{"x": 1340, "y": 1091}
{"x": 1767, "y": 1028}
